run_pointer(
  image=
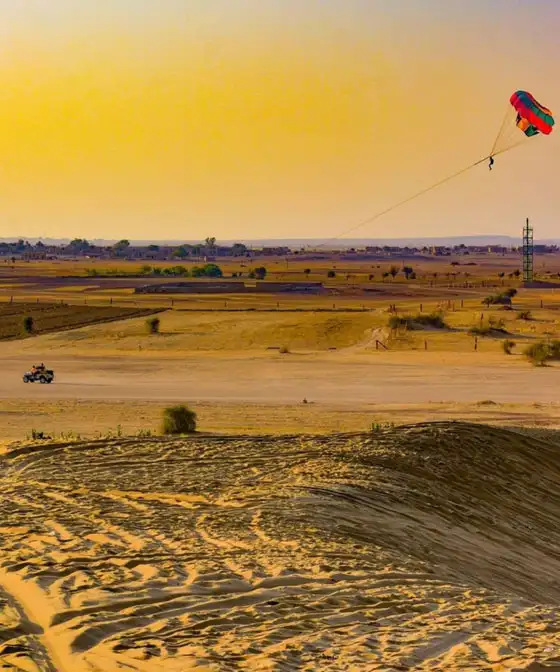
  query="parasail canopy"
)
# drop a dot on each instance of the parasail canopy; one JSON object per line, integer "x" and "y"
{"x": 532, "y": 117}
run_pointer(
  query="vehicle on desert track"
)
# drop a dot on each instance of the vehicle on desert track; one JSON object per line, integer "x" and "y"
{"x": 38, "y": 374}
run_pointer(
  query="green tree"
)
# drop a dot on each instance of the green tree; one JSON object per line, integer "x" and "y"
{"x": 238, "y": 249}
{"x": 212, "y": 271}
{"x": 408, "y": 271}
{"x": 180, "y": 252}
{"x": 121, "y": 246}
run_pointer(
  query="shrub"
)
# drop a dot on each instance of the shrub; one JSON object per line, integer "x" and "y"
{"x": 178, "y": 420}
{"x": 508, "y": 346}
{"x": 331, "y": 274}
{"x": 524, "y": 315}
{"x": 432, "y": 320}
{"x": 152, "y": 325}
{"x": 207, "y": 271}
{"x": 554, "y": 347}
{"x": 28, "y": 324}
{"x": 537, "y": 353}
{"x": 480, "y": 331}
{"x": 395, "y": 322}
{"x": 497, "y": 325}
{"x": 493, "y": 328}
{"x": 419, "y": 321}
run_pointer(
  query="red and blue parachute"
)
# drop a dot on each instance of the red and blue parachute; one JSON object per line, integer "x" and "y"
{"x": 532, "y": 117}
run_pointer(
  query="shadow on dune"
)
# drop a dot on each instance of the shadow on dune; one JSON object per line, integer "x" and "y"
{"x": 477, "y": 504}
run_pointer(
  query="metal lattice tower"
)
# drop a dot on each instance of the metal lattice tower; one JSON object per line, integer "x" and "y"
{"x": 528, "y": 252}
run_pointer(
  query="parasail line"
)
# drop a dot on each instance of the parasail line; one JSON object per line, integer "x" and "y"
{"x": 409, "y": 198}
{"x": 502, "y": 128}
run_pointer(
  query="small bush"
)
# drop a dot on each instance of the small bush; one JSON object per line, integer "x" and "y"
{"x": 260, "y": 273}
{"x": 432, "y": 320}
{"x": 494, "y": 327}
{"x": 525, "y": 315}
{"x": 554, "y": 347}
{"x": 420, "y": 321}
{"x": 496, "y": 324}
{"x": 537, "y": 353}
{"x": 331, "y": 274}
{"x": 395, "y": 322}
{"x": 178, "y": 420}
{"x": 508, "y": 346}
{"x": 28, "y": 324}
{"x": 480, "y": 331}
{"x": 503, "y": 299}
{"x": 152, "y": 325}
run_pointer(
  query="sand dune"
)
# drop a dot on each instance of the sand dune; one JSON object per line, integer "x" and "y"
{"x": 433, "y": 547}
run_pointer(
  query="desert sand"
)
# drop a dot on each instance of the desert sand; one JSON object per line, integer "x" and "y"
{"x": 271, "y": 540}
{"x": 424, "y": 547}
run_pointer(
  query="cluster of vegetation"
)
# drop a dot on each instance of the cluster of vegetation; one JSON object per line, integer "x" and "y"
{"x": 503, "y": 298}
{"x": 407, "y": 271}
{"x": 152, "y": 325}
{"x": 377, "y": 427}
{"x": 23, "y": 319}
{"x": 176, "y": 420}
{"x": 258, "y": 273}
{"x": 508, "y": 346}
{"x": 493, "y": 327}
{"x": 539, "y": 354}
{"x": 514, "y": 274}
{"x": 206, "y": 271}
{"x": 419, "y": 321}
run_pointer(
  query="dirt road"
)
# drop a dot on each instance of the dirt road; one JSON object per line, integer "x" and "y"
{"x": 284, "y": 380}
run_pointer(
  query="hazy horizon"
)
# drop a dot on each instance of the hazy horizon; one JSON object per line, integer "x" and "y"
{"x": 272, "y": 119}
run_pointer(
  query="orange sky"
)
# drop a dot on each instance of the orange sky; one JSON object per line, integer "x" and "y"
{"x": 257, "y": 121}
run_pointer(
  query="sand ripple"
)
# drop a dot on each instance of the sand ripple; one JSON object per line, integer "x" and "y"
{"x": 433, "y": 547}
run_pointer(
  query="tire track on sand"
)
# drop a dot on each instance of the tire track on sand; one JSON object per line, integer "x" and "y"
{"x": 38, "y": 612}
